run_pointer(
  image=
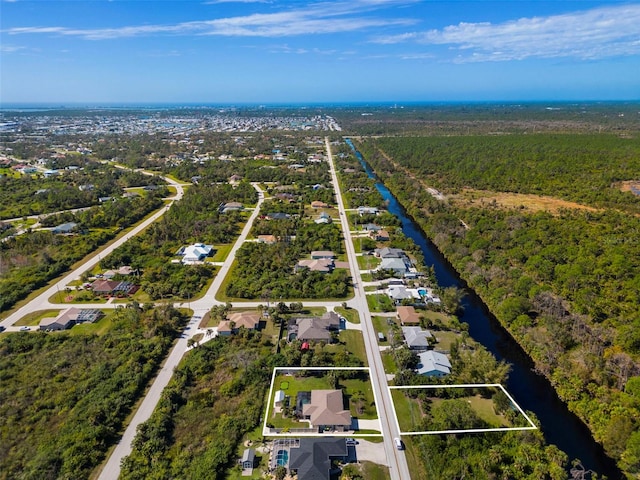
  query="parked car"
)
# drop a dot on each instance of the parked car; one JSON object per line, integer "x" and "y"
{"x": 25, "y": 329}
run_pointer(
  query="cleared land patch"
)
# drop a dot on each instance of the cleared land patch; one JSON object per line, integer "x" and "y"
{"x": 529, "y": 202}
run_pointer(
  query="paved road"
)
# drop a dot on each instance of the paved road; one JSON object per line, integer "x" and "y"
{"x": 398, "y": 468}
{"x": 41, "y": 302}
{"x": 111, "y": 470}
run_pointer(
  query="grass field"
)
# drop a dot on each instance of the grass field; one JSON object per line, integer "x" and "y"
{"x": 410, "y": 415}
{"x": 354, "y": 342}
{"x": 380, "y": 303}
{"x": 349, "y": 313}
{"x": 34, "y": 318}
{"x": 527, "y": 202}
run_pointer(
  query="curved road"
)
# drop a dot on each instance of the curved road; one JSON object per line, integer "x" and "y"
{"x": 41, "y": 302}
{"x": 111, "y": 470}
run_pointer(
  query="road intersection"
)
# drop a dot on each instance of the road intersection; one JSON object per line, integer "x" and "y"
{"x": 111, "y": 469}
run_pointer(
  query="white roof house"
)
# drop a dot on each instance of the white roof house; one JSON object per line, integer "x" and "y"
{"x": 433, "y": 364}
{"x": 196, "y": 252}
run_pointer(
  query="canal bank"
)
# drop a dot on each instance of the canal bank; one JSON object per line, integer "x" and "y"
{"x": 532, "y": 391}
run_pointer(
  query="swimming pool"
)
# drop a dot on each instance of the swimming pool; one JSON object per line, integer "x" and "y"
{"x": 282, "y": 458}
{"x": 422, "y": 292}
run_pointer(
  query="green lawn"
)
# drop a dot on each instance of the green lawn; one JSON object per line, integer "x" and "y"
{"x": 350, "y": 314}
{"x": 354, "y": 342}
{"x": 408, "y": 411}
{"x": 222, "y": 252}
{"x": 368, "y": 262}
{"x": 389, "y": 363}
{"x": 445, "y": 339}
{"x": 34, "y": 318}
{"x": 380, "y": 303}
{"x": 99, "y": 328}
{"x": 291, "y": 385}
{"x": 380, "y": 324}
{"x": 373, "y": 471}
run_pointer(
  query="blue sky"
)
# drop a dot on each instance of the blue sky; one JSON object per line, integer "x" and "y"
{"x": 273, "y": 51}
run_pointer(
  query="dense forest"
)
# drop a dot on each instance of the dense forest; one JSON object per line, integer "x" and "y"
{"x": 65, "y": 397}
{"x": 566, "y": 283}
{"x": 215, "y": 397}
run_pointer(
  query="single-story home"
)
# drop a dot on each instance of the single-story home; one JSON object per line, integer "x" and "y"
{"x": 232, "y": 207}
{"x": 65, "y": 227}
{"x": 249, "y": 319}
{"x": 322, "y": 265}
{"x": 399, "y": 293}
{"x": 398, "y": 265}
{"x": 416, "y": 338}
{"x": 195, "y": 253}
{"x": 408, "y": 315}
{"x": 433, "y": 364}
{"x": 313, "y": 458}
{"x": 314, "y": 329}
{"x": 113, "y": 287}
{"x": 71, "y": 317}
{"x": 319, "y": 204}
{"x": 322, "y": 254}
{"x": 379, "y": 236}
{"x": 364, "y": 210}
{"x": 326, "y": 411}
{"x": 277, "y": 216}
{"x": 268, "y": 239}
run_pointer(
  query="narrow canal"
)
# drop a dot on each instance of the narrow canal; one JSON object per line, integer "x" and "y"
{"x": 533, "y": 392}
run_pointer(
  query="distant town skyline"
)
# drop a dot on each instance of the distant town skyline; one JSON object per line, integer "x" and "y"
{"x": 270, "y": 51}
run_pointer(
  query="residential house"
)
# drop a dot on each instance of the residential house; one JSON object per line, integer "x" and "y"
{"x": 416, "y": 338}
{"x": 249, "y": 319}
{"x": 65, "y": 227}
{"x": 277, "y": 216}
{"x": 314, "y": 458}
{"x": 113, "y": 287}
{"x": 388, "y": 252}
{"x": 324, "y": 218}
{"x": 70, "y": 317}
{"x": 314, "y": 329}
{"x": 232, "y": 207}
{"x": 268, "y": 239}
{"x": 319, "y": 204}
{"x": 408, "y": 316}
{"x": 326, "y": 411}
{"x": 399, "y": 266}
{"x": 433, "y": 364}
{"x": 195, "y": 253}
{"x": 371, "y": 227}
{"x": 379, "y": 236}
{"x": 400, "y": 293}
{"x": 322, "y": 254}
{"x": 324, "y": 265}
{"x": 364, "y": 210}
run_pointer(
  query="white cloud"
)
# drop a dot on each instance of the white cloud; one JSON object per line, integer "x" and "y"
{"x": 590, "y": 34}
{"x": 317, "y": 18}
{"x": 11, "y": 48}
